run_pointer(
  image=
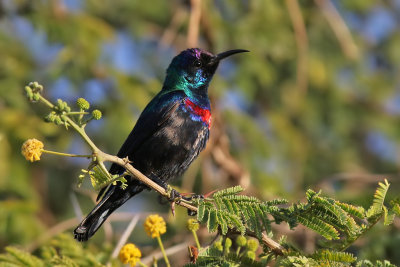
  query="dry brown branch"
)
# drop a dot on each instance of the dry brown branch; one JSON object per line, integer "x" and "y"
{"x": 171, "y": 31}
{"x": 302, "y": 43}
{"x": 194, "y": 23}
{"x": 339, "y": 27}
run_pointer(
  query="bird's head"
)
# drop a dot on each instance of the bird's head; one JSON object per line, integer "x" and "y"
{"x": 193, "y": 69}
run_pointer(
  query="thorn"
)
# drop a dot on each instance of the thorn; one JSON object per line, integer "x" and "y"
{"x": 173, "y": 208}
{"x": 210, "y": 193}
{"x": 126, "y": 160}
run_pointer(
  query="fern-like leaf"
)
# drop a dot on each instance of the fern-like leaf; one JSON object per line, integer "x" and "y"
{"x": 319, "y": 226}
{"x": 356, "y": 211}
{"x": 228, "y": 191}
{"x": 379, "y": 198}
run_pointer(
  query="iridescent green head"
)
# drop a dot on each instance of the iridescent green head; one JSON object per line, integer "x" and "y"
{"x": 193, "y": 69}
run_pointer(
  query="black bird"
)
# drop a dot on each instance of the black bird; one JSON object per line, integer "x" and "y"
{"x": 169, "y": 134}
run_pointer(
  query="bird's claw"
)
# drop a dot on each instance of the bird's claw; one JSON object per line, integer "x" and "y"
{"x": 193, "y": 197}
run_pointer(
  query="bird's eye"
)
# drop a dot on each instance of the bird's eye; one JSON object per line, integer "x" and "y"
{"x": 197, "y": 63}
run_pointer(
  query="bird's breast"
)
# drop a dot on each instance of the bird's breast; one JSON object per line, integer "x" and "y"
{"x": 197, "y": 112}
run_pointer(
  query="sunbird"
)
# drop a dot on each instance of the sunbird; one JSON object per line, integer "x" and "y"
{"x": 170, "y": 133}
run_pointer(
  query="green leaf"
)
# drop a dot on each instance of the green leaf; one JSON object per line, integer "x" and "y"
{"x": 388, "y": 216}
{"x": 223, "y": 221}
{"x": 379, "y": 198}
{"x": 319, "y": 226}
{"x": 356, "y": 211}
{"x": 228, "y": 191}
{"x": 212, "y": 223}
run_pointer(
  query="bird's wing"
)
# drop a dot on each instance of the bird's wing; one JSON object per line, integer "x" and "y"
{"x": 156, "y": 113}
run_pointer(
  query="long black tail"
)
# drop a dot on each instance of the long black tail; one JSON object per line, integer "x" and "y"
{"x": 113, "y": 199}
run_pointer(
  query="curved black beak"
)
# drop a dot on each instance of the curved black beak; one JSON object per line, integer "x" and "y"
{"x": 226, "y": 54}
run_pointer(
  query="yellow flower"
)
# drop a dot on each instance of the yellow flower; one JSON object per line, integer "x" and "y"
{"x": 130, "y": 254}
{"x": 155, "y": 225}
{"x": 193, "y": 225}
{"x": 32, "y": 149}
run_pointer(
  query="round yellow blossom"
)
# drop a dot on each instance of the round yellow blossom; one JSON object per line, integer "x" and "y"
{"x": 32, "y": 149}
{"x": 82, "y": 103}
{"x": 193, "y": 225}
{"x": 96, "y": 114}
{"x": 155, "y": 225}
{"x": 130, "y": 254}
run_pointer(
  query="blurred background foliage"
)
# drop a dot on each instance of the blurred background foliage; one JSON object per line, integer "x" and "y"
{"x": 315, "y": 104}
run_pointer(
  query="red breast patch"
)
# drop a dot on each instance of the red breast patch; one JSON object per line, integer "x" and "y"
{"x": 203, "y": 113}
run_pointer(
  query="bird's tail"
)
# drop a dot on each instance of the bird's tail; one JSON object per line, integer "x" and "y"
{"x": 113, "y": 199}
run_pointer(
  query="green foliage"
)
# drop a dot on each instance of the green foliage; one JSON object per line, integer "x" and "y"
{"x": 339, "y": 223}
{"x": 62, "y": 251}
{"x": 214, "y": 257}
{"x": 367, "y": 263}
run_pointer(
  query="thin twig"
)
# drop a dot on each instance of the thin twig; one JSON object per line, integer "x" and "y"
{"x": 171, "y": 31}
{"x": 302, "y": 43}
{"x": 194, "y": 22}
{"x": 339, "y": 27}
{"x": 75, "y": 206}
{"x": 125, "y": 235}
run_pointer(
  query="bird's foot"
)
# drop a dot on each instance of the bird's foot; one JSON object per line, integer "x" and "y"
{"x": 173, "y": 195}
{"x": 191, "y": 196}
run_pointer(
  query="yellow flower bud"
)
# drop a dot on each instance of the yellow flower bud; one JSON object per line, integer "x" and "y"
{"x": 32, "y": 149}
{"x": 96, "y": 114}
{"x": 241, "y": 241}
{"x": 252, "y": 244}
{"x": 251, "y": 254}
{"x": 82, "y": 103}
{"x": 130, "y": 254}
{"x": 193, "y": 225}
{"x": 155, "y": 225}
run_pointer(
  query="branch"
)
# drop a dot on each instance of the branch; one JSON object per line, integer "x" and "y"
{"x": 194, "y": 22}
{"x": 339, "y": 27}
{"x": 141, "y": 177}
{"x": 302, "y": 43}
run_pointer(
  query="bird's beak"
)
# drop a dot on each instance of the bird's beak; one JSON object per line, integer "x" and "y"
{"x": 226, "y": 54}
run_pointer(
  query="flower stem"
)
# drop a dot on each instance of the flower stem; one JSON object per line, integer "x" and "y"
{"x": 163, "y": 251}
{"x": 65, "y": 154}
{"x": 142, "y": 264}
{"x": 77, "y": 113}
{"x": 197, "y": 240}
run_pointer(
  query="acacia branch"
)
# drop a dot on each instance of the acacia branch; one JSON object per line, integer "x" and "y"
{"x": 141, "y": 177}
{"x": 274, "y": 246}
